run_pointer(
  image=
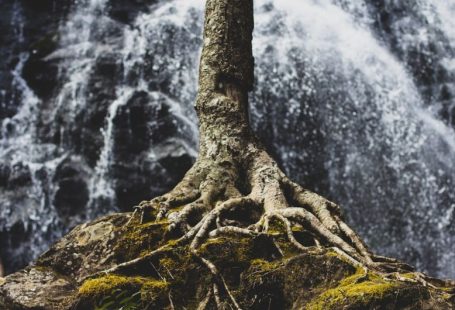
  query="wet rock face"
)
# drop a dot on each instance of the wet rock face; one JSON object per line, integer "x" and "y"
{"x": 73, "y": 194}
{"x": 126, "y": 11}
{"x": 8, "y": 43}
{"x": 65, "y": 277}
{"x": 29, "y": 33}
{"x": 143, "y": 126}
{"x": 41, "y": 74}
{"x": 64, "y": 67}
{"x": 27, "y": 26}
{"x": 83, "y": 131}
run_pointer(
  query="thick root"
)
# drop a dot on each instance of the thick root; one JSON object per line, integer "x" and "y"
{"x": 218, "y": 281}
{"x": 209, "y": 203}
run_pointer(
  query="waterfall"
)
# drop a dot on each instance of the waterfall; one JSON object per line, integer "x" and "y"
{"x": 26, "y": 165}
{"x": 355, "y": 99}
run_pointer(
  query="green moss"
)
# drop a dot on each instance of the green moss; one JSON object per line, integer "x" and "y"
{"x": 297, "y": 228}
{"x": 136, "y": 239}
{"x": 358, "y": 289}
{"x": 174, "y": 268}
{"x": 42, "y": 268}
{"x": 227, "y": 249}
{"x": 243, "y": 250}
{"x": 276, "y": 227}
{"x": 264, "y": 265}
{"x": 211, "y": 242}
{"x": 172, "y": 242}
{"x": 152, "y": 290}
{"x": 106, "y": 285}
{"x": 288, "y": 249}
{"x": 101, "y": 286}
{"x": 169, "y": 264}
{"x": 359, "y": 275}
{"x": 121, "y": 292}
{"x": 175, "y": 264}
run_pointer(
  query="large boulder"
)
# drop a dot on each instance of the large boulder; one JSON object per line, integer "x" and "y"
{"x": 262, "y": 274}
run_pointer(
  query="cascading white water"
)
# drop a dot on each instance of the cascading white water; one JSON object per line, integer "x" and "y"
{"x": 17, "y": 146}
{"x": 136, "y": 43}
{"x": 386, "y": 153}
{"x": 388, "y": 158}
{"x": 339, "y": 105}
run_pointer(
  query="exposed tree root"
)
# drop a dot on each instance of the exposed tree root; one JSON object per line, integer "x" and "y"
{"x": 205, "y": 302}
{"x": 211, "y": 206}
{"x": 203, "y": 206}
{"x": 209, "y": 203}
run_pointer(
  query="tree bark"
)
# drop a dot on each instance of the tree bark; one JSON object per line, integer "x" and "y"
{"x": 226, "y": 74}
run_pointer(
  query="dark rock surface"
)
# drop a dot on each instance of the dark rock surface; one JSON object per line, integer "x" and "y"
{"x": 65, "y": 277}
{"x": 96, "y": 114}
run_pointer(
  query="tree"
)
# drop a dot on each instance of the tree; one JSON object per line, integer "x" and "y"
{"x": 235, "y": 187}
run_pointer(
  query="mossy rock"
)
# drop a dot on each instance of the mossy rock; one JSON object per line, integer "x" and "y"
{"x": 115, "y": 292}
{"x": 369, "y": 290}
{"x": 259, "y": 274}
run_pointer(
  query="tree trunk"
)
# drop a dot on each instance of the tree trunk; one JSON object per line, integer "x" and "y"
{"x": 225, "y": 77}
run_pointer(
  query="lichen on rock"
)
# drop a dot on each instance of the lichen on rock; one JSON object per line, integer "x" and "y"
{"x": 36, "y": 288}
